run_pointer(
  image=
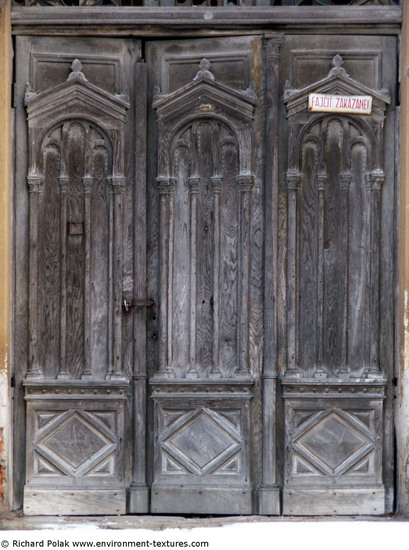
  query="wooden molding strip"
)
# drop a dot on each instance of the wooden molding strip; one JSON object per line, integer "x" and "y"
{"x": 26, "y": 20}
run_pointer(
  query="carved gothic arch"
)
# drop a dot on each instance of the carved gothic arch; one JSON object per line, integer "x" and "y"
{"x": 76, "y": 109}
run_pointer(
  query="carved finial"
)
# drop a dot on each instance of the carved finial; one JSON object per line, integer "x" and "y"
{"x": 337, "y": 61}
{"x": 76, "y": 69}
{"x": 28, "y": 92}
{"x": 337, "y": 69}
{"x": 204, "y": 70}
{"x": 157, "y": 94}
{"x": 124, "y": 95}
{"x": 288, "y": 89}
{"x": 251, "y": 92}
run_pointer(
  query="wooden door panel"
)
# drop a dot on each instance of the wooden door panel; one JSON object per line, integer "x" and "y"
{"x": 208, "y": 211}
{"x": 74, "y": 185}
{"x": 338, "y": 184}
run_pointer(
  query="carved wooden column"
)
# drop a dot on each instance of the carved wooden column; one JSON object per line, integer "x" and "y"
{"x": 217, "y": 183}
{"x": 269, "y": 494}
{"x": 376, "y": 179}
{"x": 322, "y": 181}
{"x": 35, "y": 184}
{"x": 118, "y": 186}
{"x": 293, "y": 180}
{"x": 87, "y": 185}
{"x": 63, "y": 373}
{"x": 345, "y": 182}
{"x": 245, "y": 183}
{"x": 194, "y": 183}
{"x": 166, "y": 190}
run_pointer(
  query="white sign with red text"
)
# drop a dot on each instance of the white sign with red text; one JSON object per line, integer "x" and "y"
{"x": 353, "y": 104}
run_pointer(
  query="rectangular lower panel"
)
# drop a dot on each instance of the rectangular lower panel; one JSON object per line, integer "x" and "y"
{"x": 79, "y": 502}
{"x": 200, "y": 500}
{"x": 333, "y": 448}
{"x": 269, "y": 501}
{"x": 201, "y": 447}
{"x": 327, "y": 502}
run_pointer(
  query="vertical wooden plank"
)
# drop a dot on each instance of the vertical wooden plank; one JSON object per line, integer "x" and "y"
{"x": 87, "y": 184}
{"x": 163, "y": 185}
{"x": 217, "y": 183}
{"x": 333, "y": 261}
{"x": 358, "y": 259}
{"x": 293, "y": 183}
{"x": 181, "y": 263}
{"x": 118, "y": 186}
{"x": 321, "y": 184}
{"x": 35, "y": 184}
{"x": 75, "y": 142}
{"x": 245, "y": 184}
{"x": 205, "y": 251}
{"x": 376, "y": 180}
{"x": 229, "y": 257}
{"x": 64, "y": 182}
{"x": 307, "y": 272}
{"x": 110, "y": 366}
{"x": 345, "y": 182}
{"x": 99, "y": 259}
{"x": 170, "y": 229}
{"x": 139, "y": 494}
{"x": 269, "y": 493}
{"x": 48, "y": 259}
{"x": 194, "y": 183}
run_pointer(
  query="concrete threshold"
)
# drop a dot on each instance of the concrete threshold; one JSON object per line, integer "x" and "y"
{"x": 17, "y": 521}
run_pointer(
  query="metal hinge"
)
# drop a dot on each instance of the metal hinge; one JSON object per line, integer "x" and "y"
{"x": 127, "y": 304}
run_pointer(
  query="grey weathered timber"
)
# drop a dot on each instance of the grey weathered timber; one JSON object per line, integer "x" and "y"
{"x": 207, "y": 208}
{"x": 201, "y": 461}
{"x": 75, "y": 440}
{"x": 334, "y": 385}
{"x": 269, "y": 495}
{"x": 164, "y": 20}
{"x": 138, "y": 491}
{"x": 77, "y": 169}
{"x": 252, "y": 242}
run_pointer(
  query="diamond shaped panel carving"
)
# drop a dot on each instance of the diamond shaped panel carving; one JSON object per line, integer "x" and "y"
{"x": 333, "y": 444}
{"x": 75, "y": 445}
{"x": 75, "y": 442}
{"x": 202, "y": 443}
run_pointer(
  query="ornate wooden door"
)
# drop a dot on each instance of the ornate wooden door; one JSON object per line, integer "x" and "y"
{"x": 75, "y": 189}
{"x": 205, "y": 271}
{"x": 204, "y": 276}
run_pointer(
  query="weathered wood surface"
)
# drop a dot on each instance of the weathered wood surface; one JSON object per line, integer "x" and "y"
{"x": 269, "y": 247}
{"x": 336, "y": 232}
{"x": 74, "y": 502}
{"x": 166, "y": 19}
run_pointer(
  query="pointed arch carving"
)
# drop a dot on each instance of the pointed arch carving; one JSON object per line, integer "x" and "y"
{"x": 334, "y": 179}
{"x": 75, "y": 183}
{"x": 205, "y": 180}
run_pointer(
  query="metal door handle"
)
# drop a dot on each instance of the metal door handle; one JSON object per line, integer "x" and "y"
{"x": 127, "y": 304}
